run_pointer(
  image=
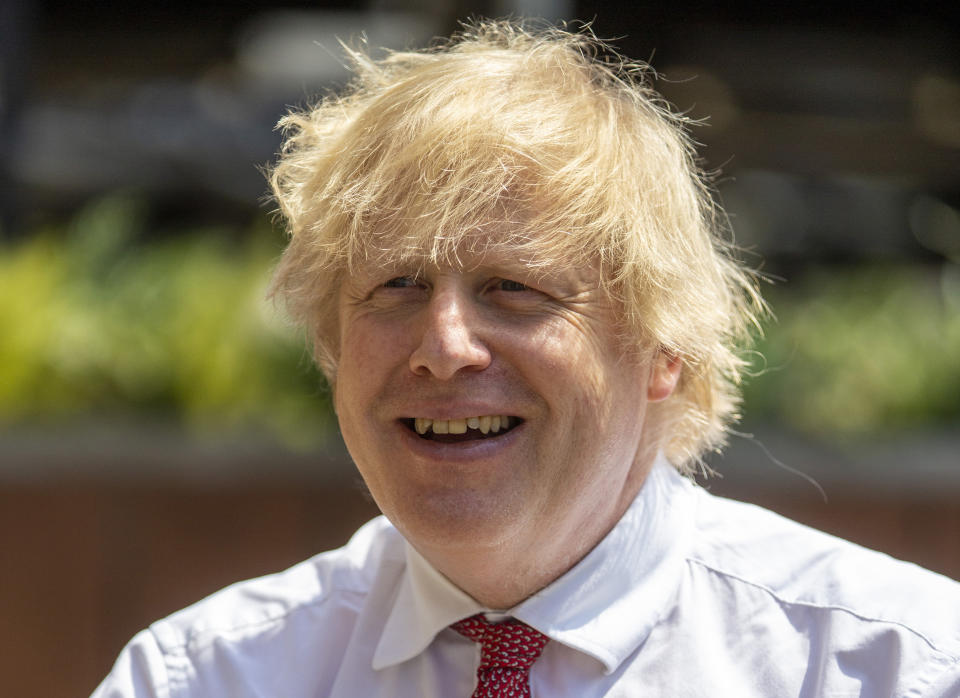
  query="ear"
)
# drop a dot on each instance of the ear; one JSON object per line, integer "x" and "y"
{"x": 664, "y": 375}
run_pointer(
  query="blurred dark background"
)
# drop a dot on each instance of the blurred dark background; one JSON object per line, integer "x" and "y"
{"x": 162, "y": 432}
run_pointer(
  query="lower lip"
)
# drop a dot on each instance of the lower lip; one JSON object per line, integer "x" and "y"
{"x": 463, "y": 451}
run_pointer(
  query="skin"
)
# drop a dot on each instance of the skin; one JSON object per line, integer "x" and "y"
{"x": 500, "y": 517}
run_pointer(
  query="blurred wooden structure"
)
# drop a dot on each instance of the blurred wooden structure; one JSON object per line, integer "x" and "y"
{"x": 88, "y": 560}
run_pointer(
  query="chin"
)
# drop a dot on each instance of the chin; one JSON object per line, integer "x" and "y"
{"x": 459, "y": 519}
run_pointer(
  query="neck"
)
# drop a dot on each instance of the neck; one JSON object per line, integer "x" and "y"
{"x": 503, "y": 575}
{"x": 500, "y": 579}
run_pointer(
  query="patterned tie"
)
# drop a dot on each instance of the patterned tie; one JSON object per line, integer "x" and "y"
{"x": 507, "y": 651}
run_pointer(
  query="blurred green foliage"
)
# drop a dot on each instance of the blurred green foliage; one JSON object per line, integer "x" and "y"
{"x": 856, "y": 351}
{"x": 97, "y": 320}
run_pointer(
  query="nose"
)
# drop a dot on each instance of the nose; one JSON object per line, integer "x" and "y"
{"x": 449, "y": 340}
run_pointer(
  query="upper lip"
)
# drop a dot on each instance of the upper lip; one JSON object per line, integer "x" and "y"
{"x": 455, "y": 409}
{"x": 458, "y": 414}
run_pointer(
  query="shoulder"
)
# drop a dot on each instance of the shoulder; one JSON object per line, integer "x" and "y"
{"x": 827, "y": 588}
{"x": 244, "y": 635}
{"x": 337, "y": 580}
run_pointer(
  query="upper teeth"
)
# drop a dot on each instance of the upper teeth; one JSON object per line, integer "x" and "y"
{"x": 485, "y": 424}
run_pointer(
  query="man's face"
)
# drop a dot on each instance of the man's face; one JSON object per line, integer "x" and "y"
{"x": 431, "y": 360}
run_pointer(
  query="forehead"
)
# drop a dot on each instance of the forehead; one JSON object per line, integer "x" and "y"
{"x": 563, "y": 279}
{"x": 507, "y": 242}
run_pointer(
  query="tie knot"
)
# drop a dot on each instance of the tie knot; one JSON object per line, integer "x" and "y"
{"x": 511, "y": 644}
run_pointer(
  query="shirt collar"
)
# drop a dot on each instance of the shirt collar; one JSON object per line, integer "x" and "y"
{"x": 610, "y": 601}
{"x": 426, "y": 603}
{"x": 605, "y": 606}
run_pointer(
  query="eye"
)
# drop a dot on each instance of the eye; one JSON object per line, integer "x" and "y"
{"x": 509, "y": 285}
{"x": 402, "y": 282}
{"x": 514, "y": 294}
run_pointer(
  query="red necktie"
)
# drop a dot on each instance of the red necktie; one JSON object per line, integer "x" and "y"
{"x": 507, "y": 651}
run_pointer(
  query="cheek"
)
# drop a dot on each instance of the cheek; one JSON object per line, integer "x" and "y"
{"x": 598, "y": 403}
{"x": 374, "y": 356}
{"x": 583, "y": 374}
{"x": 359, "y": 366}
{"x": 365, "y": 345}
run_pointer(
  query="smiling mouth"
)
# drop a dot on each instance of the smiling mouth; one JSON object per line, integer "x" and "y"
{"x": 460, "y": 430}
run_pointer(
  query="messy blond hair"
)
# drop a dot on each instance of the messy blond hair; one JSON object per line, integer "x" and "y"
{"x": 547, "y": 131}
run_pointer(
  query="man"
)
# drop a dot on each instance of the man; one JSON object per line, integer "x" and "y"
{"x": 512, "y": 276}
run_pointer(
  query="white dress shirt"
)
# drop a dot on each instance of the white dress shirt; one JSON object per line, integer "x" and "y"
{"x": 689, "y": 595}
